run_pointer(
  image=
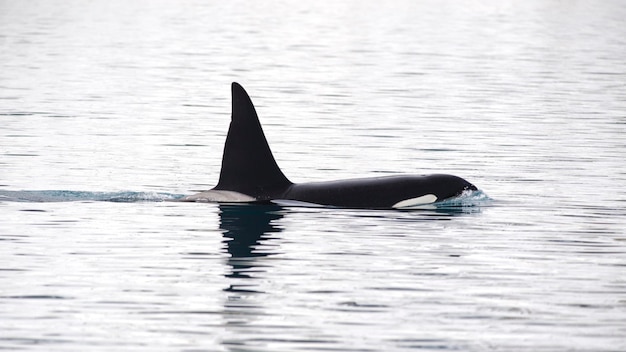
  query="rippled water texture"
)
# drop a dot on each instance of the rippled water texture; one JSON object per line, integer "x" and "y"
{"x": 109, "y": 109}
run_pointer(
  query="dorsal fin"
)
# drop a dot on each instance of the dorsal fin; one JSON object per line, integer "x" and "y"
{"x": 248, "y": 165}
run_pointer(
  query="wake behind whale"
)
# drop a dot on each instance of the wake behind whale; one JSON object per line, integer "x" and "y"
{"x": 53, "y": 196}
{"x": 250, "y": 174}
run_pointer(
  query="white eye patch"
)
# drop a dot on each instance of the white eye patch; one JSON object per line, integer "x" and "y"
{"x": 412, "y": 202}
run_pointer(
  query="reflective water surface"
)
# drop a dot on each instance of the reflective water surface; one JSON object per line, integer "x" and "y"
{"x": 110, "y": 109}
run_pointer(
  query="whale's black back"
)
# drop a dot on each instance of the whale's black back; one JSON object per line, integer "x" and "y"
{"x": 248, "y": 165}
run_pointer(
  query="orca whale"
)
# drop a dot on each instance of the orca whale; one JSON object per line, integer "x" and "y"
{"x": 250, "y": 174}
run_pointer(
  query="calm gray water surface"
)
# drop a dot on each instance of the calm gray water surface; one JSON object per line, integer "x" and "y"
{"x": 130, "y": 102}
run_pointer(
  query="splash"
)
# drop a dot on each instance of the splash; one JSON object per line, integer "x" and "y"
{"x": 468, "y": 199}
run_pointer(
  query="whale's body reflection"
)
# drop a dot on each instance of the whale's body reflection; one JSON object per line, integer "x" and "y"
{"x": 254, "y": 290}
{"x": 246, "y": 228}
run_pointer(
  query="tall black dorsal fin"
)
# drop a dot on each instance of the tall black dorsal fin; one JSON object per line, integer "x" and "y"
{"x": 248, "y": 165}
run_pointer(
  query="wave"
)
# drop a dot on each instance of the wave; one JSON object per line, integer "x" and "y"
{"x": 466, "y": 202}
{"x": 82, "y": 196}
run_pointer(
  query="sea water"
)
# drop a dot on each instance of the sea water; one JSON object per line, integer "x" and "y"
{"x": 111, "y": 109}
